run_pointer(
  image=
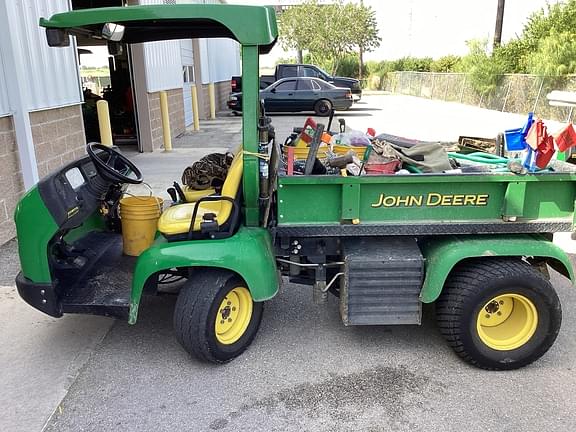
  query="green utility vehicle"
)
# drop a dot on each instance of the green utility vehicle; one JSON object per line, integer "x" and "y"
{"x": 478, "y": 245}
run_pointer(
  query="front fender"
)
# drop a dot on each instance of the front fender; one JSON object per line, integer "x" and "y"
{"x": 443, "y": 253}
{"x": 249, "y": 253}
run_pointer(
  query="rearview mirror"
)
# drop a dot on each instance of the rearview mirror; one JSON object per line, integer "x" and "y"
{"x": 273, "y": 90}
{"x": 57, "y": 37}
{"x": 113, "y": 32}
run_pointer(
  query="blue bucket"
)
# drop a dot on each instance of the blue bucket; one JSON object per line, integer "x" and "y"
{"x": 515, "y": 139}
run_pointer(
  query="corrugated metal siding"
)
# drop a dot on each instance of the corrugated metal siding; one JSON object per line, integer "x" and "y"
{"x": 163, "y": 61}
{"x": 4, "y": 105}
{"x": 163, "y": 65}
{"x": 220, "y": 59}
{"x": 51, "y": 73}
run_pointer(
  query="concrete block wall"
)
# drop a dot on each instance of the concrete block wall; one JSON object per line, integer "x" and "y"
{"x": 11, "y": 185}
{"x": 58, "y": 136}
{"x": 176, "y": 113}
{"x": 221, "y": 93}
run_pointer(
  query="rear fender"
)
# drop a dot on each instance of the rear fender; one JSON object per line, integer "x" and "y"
{"x": 443, "y": 253}
{"x": 249, "y": 253}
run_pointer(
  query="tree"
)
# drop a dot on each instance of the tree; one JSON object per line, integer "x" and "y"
{"x": 329, "y": 32}
{"x": 295, "y": 34}
{"x": 367, "y": 39}
{"x": 485, "y": 71}
{"x": 556, "y": 55}
{"x": 535, "y": 50}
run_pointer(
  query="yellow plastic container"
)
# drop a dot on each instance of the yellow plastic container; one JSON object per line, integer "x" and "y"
{"x": 139, "y": 215}
{"x": 301, "y": 153}
{"x": 341, "y": 150}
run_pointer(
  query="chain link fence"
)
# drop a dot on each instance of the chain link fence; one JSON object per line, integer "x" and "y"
{"x": 515, "y": 93}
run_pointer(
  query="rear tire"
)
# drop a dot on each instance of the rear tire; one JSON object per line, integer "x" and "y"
{"x": 323, "y": 107}
{"x": 498, "y": 314}
{"x": 215, "y": 318}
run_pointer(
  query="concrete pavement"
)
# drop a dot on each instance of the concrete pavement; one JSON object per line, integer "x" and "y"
{"x": 40, "y": 356}
{"x": 305, "y": 371}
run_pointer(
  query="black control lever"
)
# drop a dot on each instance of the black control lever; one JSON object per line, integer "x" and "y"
{"x": 172, "y": 192}
{"x": 180, "y": 192}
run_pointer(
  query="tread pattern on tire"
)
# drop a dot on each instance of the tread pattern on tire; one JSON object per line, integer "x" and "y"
{"x": 192, "y": 309}
{"x": 466, "y": 280}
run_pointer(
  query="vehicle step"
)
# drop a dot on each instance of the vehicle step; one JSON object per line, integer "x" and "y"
{"x": 103, "y": 286}
{"x": 382, "y": 281}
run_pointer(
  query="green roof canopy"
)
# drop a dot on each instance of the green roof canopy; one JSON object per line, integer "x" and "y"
{"x": 249, "y": 25}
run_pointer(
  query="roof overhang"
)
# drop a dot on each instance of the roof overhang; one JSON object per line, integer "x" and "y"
{"x": 249, "y": 25}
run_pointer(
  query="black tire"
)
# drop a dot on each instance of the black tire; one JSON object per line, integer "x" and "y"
{"x": 468, "y": 291}
{"x": 196, "y": 311}
{"x": 323, "y": 107}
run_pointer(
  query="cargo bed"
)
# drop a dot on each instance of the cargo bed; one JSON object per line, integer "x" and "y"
{"x": 427, "y": 204}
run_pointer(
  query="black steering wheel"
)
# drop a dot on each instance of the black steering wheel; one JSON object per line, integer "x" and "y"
{"x": 112, "y": 165}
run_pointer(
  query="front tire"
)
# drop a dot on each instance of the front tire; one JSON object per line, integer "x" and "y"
{"x": 499, "y": 314}
{"x": 323, "y": 107}
{"x": 215, "y": 318}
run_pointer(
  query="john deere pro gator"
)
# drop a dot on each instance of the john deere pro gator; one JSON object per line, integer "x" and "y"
{"x": 477, "y": 244}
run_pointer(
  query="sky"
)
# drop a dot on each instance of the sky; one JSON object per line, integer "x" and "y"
{"x": 421, "y": 28}
{"x": 433, "y": 28}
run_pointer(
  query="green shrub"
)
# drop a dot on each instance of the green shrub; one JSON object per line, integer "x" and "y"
{"x": 485, "y": 71}
{"x": 447, "y": 63}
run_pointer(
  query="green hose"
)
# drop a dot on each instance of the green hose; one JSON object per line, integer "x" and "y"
{"x": 480, "y": 157}
{"x": 413, "y": 169}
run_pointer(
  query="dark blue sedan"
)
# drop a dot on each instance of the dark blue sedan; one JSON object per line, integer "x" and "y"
{"x": 300, "y": 94}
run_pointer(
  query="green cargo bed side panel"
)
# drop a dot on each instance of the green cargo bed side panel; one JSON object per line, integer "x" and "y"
{"x": 249, "y": 253}
{"x": 443, "y": 253}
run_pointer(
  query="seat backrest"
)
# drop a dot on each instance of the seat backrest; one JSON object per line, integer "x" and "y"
{"x": 231, "y": 187}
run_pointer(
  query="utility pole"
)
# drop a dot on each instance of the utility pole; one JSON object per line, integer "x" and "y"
{"x": 499, "y": 23}
{"x": 360, "y": 53}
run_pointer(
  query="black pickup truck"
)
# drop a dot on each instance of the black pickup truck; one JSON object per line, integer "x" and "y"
{"x": 302, "y": 70}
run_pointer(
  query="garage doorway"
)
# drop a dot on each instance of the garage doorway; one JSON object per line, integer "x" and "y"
{"x": 106, "y": 74}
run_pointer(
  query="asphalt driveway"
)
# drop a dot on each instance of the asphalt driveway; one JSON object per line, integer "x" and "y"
{"x": 305, "y": 371}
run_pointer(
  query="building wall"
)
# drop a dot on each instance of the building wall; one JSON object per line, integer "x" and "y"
{"x": 42, "y": 83}
{"x": 58, "y": 136}
{"x": 11, "y": 186}
{"x": 221, "y": 93}
{"x": 51, "y": 74}
{"x": 4, "y": 105}
{"x": 220, "y": 59}
{"x": 176, "y": 114}
{"x": 163, "y": 65}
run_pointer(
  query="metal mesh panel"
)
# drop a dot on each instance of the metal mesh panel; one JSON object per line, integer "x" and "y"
{"x": 514, "y": 93}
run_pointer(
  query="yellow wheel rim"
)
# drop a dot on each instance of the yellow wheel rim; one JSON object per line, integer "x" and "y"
{"x": 233, "y": 316}
{"x": 507, "y": 322}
